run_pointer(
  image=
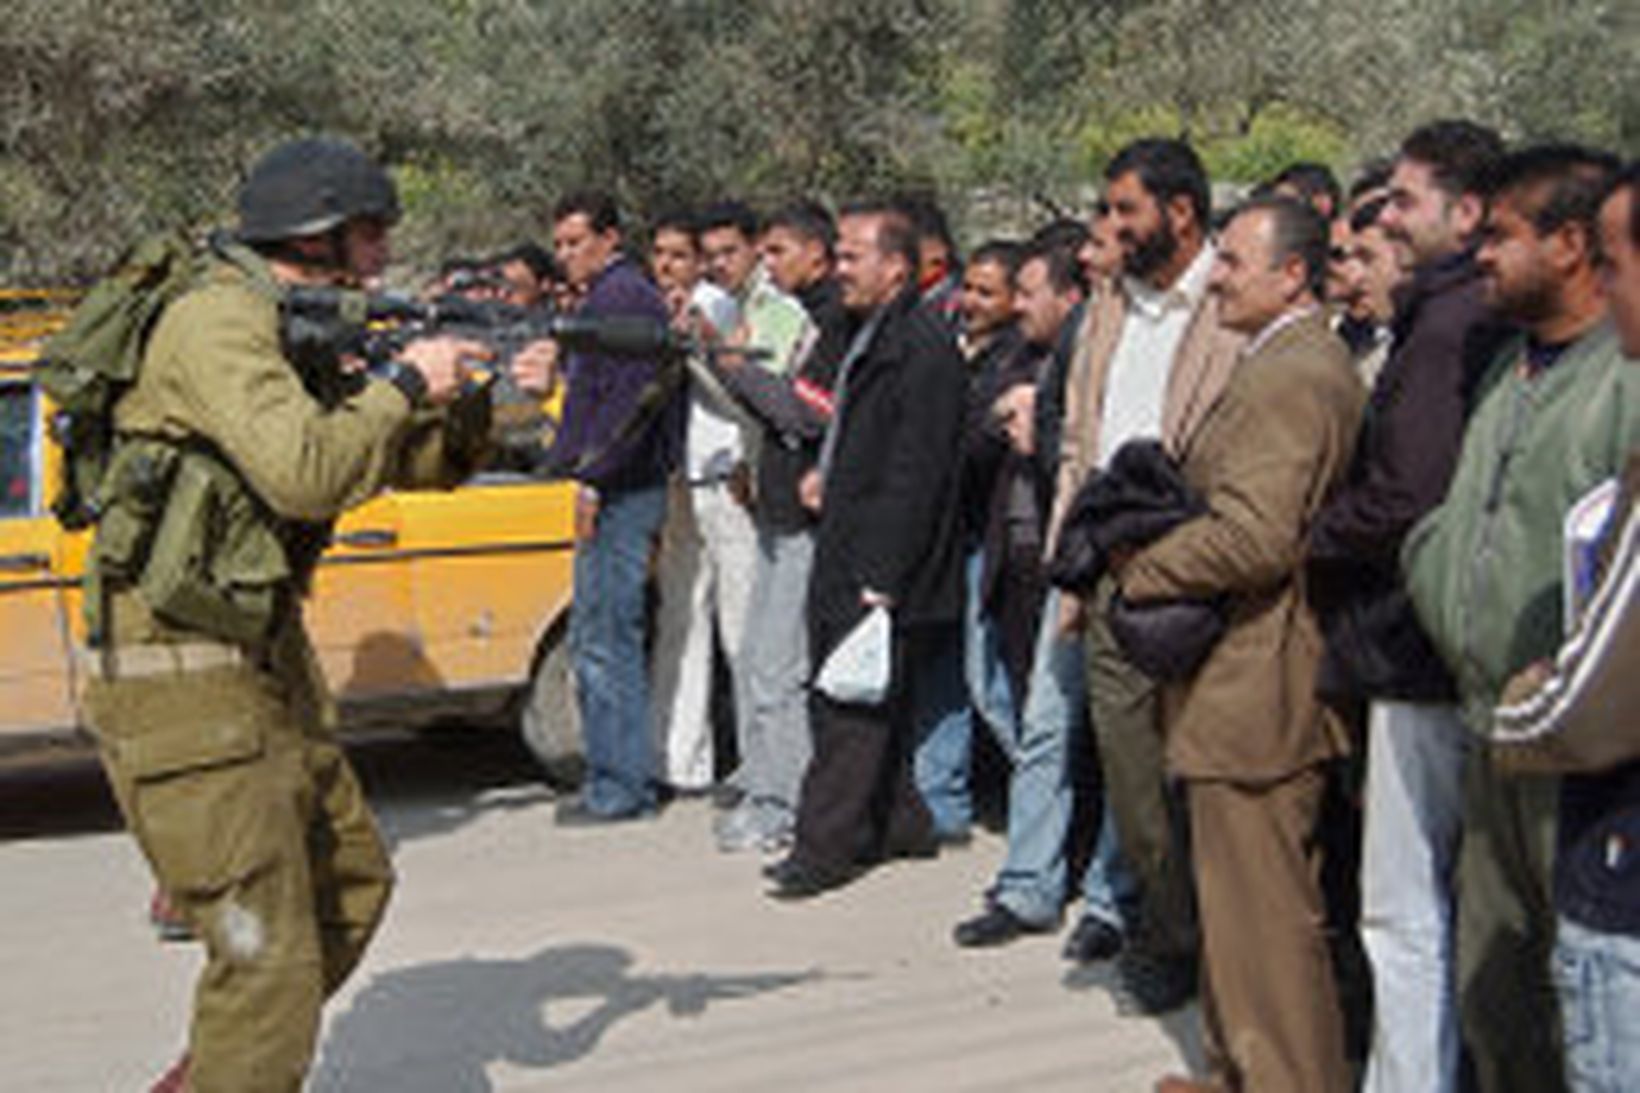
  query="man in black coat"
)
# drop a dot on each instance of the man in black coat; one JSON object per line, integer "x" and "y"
{"x": 885, "y": 493}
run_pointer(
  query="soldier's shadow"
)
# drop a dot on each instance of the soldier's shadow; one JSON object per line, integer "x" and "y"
{"x": 435, "y": 1028}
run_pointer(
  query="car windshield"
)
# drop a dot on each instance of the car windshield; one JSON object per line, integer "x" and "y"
{"x": 16, "y": 450}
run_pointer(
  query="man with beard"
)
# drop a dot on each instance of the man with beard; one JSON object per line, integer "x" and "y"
{"x": 884, "y": 491}
{"x": 1559, "y": 412}
{"x": 1443, "y": 334}
{"x": 1575, "y": 716}
{"x": 1154, "y": 360}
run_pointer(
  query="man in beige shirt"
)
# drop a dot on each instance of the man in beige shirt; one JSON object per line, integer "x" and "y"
{"x": 1151, "y": 358}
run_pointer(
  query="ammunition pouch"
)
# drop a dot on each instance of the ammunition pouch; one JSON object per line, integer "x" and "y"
{"x": 216, "y": 564}
{"x": 131, "y": 499}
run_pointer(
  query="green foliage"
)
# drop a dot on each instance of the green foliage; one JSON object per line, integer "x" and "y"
{"x": 118, "y": 117}
{"x": 1278, "y": 136}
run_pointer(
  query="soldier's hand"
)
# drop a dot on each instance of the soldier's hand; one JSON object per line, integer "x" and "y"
{"x": 445, "y": 363}
{"x": 535, "y": 368}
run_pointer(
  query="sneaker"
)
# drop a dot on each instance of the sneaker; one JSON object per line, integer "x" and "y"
{"x": 738, "y": 831}
{"x": 777, "y": 842}
{"x": 166, "y": 920}
{"x": 1150, "y": 985}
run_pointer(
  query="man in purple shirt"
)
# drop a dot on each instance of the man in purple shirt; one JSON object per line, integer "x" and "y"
{"x": 617, "y": 440}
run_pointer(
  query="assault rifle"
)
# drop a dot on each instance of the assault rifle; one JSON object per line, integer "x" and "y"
{"x": 322, "y": 325}
{"x": 374, "y": 327}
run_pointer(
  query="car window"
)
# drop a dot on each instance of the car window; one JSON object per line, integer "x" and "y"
{"x": 17, "y": 450}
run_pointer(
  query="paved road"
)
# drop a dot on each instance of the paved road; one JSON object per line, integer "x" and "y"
{"x": 520, "y": 957}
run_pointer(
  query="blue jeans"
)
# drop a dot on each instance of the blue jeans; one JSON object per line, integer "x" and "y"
{"x": 943, "y": 728}
{"x": 1032, "y": 881}
{"x": 989, "y": 691}
{"x": 1597, "y": 975}
{"x": 606, "y": 630}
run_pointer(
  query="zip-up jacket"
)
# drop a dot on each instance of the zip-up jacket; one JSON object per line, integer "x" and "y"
{"x": 1484, "y": 569}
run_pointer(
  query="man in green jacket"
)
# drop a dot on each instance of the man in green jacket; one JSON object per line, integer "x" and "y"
{"x": 235, "y": 452}
{"x": 1558, "y": 412}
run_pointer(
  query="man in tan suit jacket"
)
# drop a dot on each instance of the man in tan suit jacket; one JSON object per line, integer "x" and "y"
{"x": 1151, "y": 358}
{"x": 1246, "y": 733}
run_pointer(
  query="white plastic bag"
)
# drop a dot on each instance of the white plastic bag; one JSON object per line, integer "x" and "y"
{"x": 859, "y": 670}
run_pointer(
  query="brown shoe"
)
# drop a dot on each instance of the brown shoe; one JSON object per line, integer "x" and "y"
{"x": 174, "y": 1080}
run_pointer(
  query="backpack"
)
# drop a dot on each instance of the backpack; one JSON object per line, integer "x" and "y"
{"x": 94, "y": 359}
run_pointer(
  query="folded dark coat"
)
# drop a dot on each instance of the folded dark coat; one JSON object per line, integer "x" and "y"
{"x": 1139, "y": 498}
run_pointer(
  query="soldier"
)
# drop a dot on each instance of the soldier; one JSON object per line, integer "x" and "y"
{"x": 206, "y": 699}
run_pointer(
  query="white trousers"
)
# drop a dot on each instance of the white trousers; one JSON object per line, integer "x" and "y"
{"x": 708, "y": 557}
{"x": 1409, "y": 854}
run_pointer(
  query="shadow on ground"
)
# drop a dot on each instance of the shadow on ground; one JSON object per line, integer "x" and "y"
{"x": 421, "y": 784}
{"x": 1182, "y": 1026}
{"x": 436, "y": 1028}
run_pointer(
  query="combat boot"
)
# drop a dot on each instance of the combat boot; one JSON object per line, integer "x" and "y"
{"x": 174, "y": 1080}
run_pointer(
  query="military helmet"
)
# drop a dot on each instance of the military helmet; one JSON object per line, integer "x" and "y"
{"x": 308, "y": 186}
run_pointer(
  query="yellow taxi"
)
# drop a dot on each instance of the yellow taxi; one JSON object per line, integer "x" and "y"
{"x": 430, "y": 606}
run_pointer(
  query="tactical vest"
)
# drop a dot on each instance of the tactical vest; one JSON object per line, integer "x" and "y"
{"x": 180, "y": 525}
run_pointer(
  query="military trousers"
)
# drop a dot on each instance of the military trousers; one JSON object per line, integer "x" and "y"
{"x": 257, "y": 829}
{"x": 1151, "y": 825}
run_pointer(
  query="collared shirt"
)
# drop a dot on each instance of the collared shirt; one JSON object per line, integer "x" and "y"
{"x": 711, "y": 446}
{"x": 1275, "y": 326}
{"x": 772, "y": 321}
{"x": 1152, "y": 329}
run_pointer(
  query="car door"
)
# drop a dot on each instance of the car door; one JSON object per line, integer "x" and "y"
{"x": 36, "y": 679}
{"x": 360, "y": 615}
{"x": 491, "y": 568}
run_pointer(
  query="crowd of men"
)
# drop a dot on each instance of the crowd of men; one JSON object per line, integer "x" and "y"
{"x": 1286, "y": 551}
{"x": 1231, "y": 526}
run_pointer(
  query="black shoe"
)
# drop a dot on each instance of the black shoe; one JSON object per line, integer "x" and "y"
{"x": 1150, "y": 985}
{"x": 575, "y": 813}
{"x": 1091, "y": 940}
{"x": 996, "y": 925}
{"x": 920, "y": 849}
{"x": 795, "y": 879}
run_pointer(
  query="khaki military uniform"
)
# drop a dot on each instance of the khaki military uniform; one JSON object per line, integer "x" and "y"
{"x": 219, "y": 749}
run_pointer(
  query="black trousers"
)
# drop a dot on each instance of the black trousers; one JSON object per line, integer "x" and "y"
{"x": 859, "y": 801}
